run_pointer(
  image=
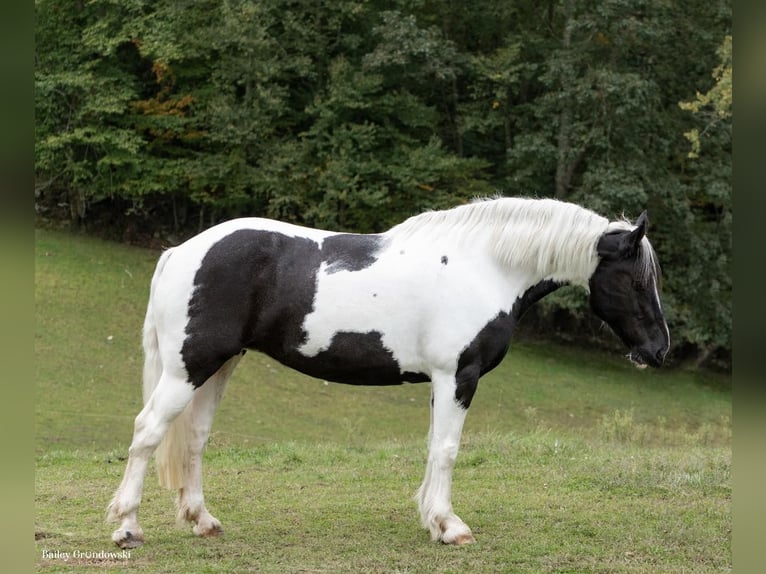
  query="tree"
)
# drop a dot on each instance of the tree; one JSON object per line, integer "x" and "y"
{"x": 705, "y": 319}
{"x": 714, "y": 106}
{"x": 169, "y": 116}
{"x": 84, "y": 143}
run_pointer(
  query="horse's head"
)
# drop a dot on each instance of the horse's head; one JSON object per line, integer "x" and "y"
{"x": 624, "y": 293}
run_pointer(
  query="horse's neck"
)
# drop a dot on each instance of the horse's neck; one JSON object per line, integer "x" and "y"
{"x": 545, "y": 239}
{"x": 541, "y": 263}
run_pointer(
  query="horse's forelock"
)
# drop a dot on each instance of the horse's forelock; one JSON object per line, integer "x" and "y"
{"x": 647, "y": 267}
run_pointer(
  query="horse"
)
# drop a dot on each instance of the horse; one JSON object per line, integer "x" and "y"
{"x": 435, "y": 298}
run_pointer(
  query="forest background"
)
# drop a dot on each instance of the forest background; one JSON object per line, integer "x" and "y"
{"x": 154, "y": 120}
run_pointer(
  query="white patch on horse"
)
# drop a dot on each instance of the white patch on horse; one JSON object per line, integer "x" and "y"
{"x": 408, "y": 298}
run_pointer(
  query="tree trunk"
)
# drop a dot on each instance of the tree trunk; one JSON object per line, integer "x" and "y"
{"x": 563, "y": 167}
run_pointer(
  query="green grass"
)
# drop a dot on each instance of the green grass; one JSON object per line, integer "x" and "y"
{"x": 571, "y": 461}
{"x": 536, "y": 504}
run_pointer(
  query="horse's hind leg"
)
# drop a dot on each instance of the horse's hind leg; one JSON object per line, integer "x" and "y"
{"x": 191, "y": 502}
{"x": 169, "y": 398}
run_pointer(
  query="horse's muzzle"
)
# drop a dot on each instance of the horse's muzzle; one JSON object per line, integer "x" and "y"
{"x": 642, "y": 358}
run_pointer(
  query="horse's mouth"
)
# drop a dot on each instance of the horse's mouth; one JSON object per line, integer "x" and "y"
{"x": 640, "y": 361}
{"x": 637, "y": 361}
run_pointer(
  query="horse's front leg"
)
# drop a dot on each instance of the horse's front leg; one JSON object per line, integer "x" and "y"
{"x": 435, "y": 495}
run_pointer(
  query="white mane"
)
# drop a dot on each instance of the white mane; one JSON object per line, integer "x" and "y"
{"x": 553, "y": 239}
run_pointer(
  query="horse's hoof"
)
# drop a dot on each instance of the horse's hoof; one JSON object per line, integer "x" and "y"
{"x": 458, "y": 535}
{"x": 127, "y": 539}
{"x": 209, "y": 531}
{"x": 462, "y": 539}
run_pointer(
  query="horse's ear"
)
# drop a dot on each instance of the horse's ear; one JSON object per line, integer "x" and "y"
{"x": 631, "y": 241}
{"x": 643, "y": 222}
{"x": 623, "y": 244}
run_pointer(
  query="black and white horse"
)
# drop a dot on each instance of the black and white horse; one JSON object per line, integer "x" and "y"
{"x": 435, "y": 298}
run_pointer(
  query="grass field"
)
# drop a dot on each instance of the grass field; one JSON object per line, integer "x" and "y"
{"x": 571, "y": 461}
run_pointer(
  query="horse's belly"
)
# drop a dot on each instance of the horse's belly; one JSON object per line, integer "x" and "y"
{"x": 353, "y": 358}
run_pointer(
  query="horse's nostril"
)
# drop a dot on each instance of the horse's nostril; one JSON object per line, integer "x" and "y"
{"x": 661, "y": 355}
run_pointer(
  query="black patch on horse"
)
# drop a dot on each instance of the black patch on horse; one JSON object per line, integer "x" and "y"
{"x": 254, "y": 289}
{"x": 491, "y": 344}
{"x": 356, "y": 359}
{"x": 350, "y": 252}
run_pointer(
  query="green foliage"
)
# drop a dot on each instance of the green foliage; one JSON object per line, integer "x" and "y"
{"x": 714, "y": 105}
{"x": 353, "y": 115}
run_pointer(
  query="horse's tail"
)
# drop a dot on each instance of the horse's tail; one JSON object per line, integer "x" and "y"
{"x": 172, "y": 453}
{"x": 152, "y": 360}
